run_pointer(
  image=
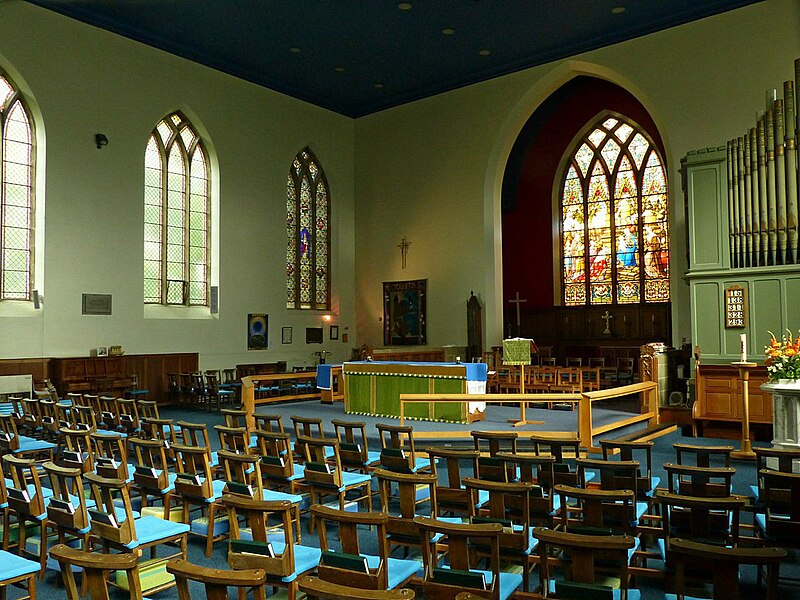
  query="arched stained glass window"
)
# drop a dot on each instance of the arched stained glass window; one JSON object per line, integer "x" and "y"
{"x": 16, "y": 195}
{"x": 614, "y": 218}
{"x": 176, "y": 215}
{"x": 307, "y": 235}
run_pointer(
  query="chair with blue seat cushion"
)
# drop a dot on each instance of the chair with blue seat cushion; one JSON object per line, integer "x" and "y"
{"x": 537, "y": 469}
{"x": 148, "y": 409}
{"x": 283, "y": 560}
{"x": 346, "y": 563}
{"x": 696, "y": 562}
{"x": 317, "y": 589}
{"x": 773, "y": 459}
{"x": 269, "y": 422}
{"x": 243, "y": 476}
{"x": 109, "y": 413}
{"x": 134, "y": 392}
{"x": 450, "y": 466}
{"x": 95, "y": 568}
{"x": 444, "y": 577}
{"x": 18, "y": 572}
{"x": 216, "y": 582}
{"x": 398, "y": 451}
{"x": 277, "y": 461}
{"x": 706, "y": 482}
{"x": 31, "y": 418}
{"x": 195, "y": 486}
{"x": 326, "y": 477}
{"x": 492, "y": 442}
{"x": 117, "y": 527}
{"x": 68, "y": 508}
{"x": 21, "y": 445}
{"x": 234, "y": 439}
{"x": 111, "y": 455}
{"x": 353, "y": 447}
{"x": 153, "y": 428}
{"x": 780, "y": 520}
{"x": 196, "y": 434}
{"x": 566, "y": 450}
{"x": 618, "y": 475}
{"x": 77, "y": 449}
{"x": 151, "y": 475}
{"x": 50, "y": 425}
{"x": 215, "y": 393}
{"x": 306, "y": 427}
{"x": 84, "y": 416}
{"x": 508, "y": 504}
{"x": 128, "y": 416}
{"x": 584, "y": 558}
{"x": 639, "y": 451}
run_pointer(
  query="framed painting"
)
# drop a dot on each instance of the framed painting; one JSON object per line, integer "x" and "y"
{"x": 257, "y": 331}
{"x": 404, "y": 313}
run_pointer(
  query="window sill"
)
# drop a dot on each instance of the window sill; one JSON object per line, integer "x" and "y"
{"x": 160, "y": 311}
{"x": 19, "y": 308}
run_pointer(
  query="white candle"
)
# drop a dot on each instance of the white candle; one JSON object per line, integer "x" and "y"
{"x": 743, "y": 347}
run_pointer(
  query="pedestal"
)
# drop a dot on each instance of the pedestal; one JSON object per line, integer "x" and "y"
{"x": 746, "y": 452}
{"x": 785, "y": 413}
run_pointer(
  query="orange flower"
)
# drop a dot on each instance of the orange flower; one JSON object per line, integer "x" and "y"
{"x": 791, "y": 351}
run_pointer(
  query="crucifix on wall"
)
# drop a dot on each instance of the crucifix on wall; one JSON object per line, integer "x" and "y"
{"x": 607, "y": 318}
{"x": 403, "y": 245}
{"x": 517, "y": 300}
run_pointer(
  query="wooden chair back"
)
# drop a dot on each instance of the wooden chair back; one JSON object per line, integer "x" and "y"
{"x": 714, "y": 520}
{"x": 277, "y": 459}
{"x": 596, "y": 511}
{"x": 195, "y": 434}
{"x": 148, "y": 409}
{"x": 162, "y": 430}
{"x": 216, "y": 581}
{"x": 243, "y": 474}
{"x": 93, "y": 401}
{"x": 110, "y": 455}
{"x": 106, "y": 516}
{"x": 536, "y": 470}
{"x": 109, "y": 411}
{"x": 31, "y": 414}
{"x": 347, "y": 525}
{"x": 9, "y": 436}
{"x": 70, "y": 513}
{"x": 266, "y": 422}
{"x": 151, "y": 469}
{"x": 95, "y": 569}
{"x": 318, "y": 589}
{"x": 451, "y": 495}
{"x": 84, "y": 417}
{"x": 781, "y": 500}
{"x": 565, "y": 450}
{"x": 306, "y": 427}
{"x": 398, "y": 452}
{"x": 25, "y": 496}
{"x": 615, "y": 474}
{"x": 233, "y": 439}
{"x": 706, "y": 482}
{"x": 128, "y": 415}
{"x": 234, "y": 417}
{"x": 774, "y": 459}
{"x": 320, "y": 469}
{"x": 490, "y": 467}
{"x": 77, "y": 451}
{"x": 353, "y": 447}
{"x": 506, "y": 501}
{"x": 703, "y": 456}
{"x": 398, "y": 493}
{"x": 194, "y": 477}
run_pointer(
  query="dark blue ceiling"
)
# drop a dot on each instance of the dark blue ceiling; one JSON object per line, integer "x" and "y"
{"x": 405, "y": 52}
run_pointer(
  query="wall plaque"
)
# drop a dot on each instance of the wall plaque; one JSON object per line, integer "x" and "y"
{"x": 735, "y": 307}
{"x": 96, "y": 304}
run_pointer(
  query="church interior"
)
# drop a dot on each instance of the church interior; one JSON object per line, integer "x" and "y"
{"x": 400, "y": 299}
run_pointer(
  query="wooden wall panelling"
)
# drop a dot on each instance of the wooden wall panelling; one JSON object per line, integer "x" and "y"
{"x": 39, "y": 368}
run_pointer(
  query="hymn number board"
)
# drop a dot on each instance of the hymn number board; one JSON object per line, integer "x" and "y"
{"x": 735, "y": 306}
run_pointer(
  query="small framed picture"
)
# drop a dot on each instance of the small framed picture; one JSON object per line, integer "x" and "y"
{"x": 286, "y": 335}
{"x": 334, "y": 332}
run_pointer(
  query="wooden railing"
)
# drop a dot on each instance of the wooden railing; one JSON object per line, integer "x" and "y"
{"x": 249, "y": 400}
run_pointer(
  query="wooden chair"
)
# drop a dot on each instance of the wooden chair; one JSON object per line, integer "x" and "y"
{"x": 198, "y": 392}
{"x": 148, "y": 409}
{"x": 544, "y": 503}
{"x": 566, "y": 451}
{"x": 642, "y": 452}
{"x": 720, "y": 566}
{"x": 67, "y": 509}
{"x": 173, "y": 388}
{"x": 491, "y": 467}
{"x": 277, "y": 461}
{"x": 162, "y": 430}
{"x": 618, "y": 475}
{"x": 706, "y": 482}
{"x": 353, "y": 447}
{"x": 20, "y": 445}
{"x": 109, "y": 412}
{"x": 234, "y": 417}
{"x": 111, "y": 455}
{"x": 509, "y": 504}
{"x": 95, "y": 568}
{"x": 626, "y": 368}
{"x": 773, "y": 459}
{"x": 196, "y": 434}
{"x": 232, "y": 382}
{"x": 306, "y": 427}
{"x": 215, "y": 393}
{"x": 445, "y": 582}
{"x": 128, "y": 416}
{"x": 268, "y": 422}
{"x": 233, "y": 439}
{"x": 216, "y": 581}
{"x": 396, "y": 457}
{"x": 84, "y": 417}
{"x": 282, "y": 559}
{"x": 703, "y": 456}
{"x": 451, "y": 495}
{"x": 151, "y": 475}
{"x": 77, "y": 450}
{"x": 780, "y": 521}
{"x": 317, "y": 589}
{"x": 196, "y": 486}
{"x": 595, "y": 511}
{"x": 359, "y": 570}
{"x": 18, "y": 572}
{"x": 588, "y": 556}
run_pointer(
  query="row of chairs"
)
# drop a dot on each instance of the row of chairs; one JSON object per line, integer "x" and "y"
{"x": 207, "y": 389}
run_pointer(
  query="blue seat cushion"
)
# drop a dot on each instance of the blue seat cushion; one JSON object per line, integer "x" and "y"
{"x": 299, "y": 473}
{"x": 152, "y": 529}
{"x": 351, "y": 479}
{"x": 509, "y": 582}
{"x": 373, "y": 457}
{"x": 270, "y": 495}
{"x": 398, "y": 570}
{"x": 305, "y": 558}
{"x": 755, "y": 492}
{"x": 29, "y": 444}
{"x": 13, "y": 566}
{"x": 633, "y": 593}
{"x": 421, "y": 463}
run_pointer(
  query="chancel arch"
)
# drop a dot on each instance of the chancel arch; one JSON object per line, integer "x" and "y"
{"x": 534, "y": 262}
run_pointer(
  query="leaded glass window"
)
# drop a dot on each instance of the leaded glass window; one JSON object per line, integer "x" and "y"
{"x": 16, "y": 195}
{"x": 307, "y": 235}
{"x": 176, "y": 215}
{"x": 614, "y": 218}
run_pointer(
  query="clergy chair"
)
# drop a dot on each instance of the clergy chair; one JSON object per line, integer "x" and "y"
{"x": 269, "y": 422}
{"x": 773, "y": 459}
{"x": 151, "y": 475}
{"x": 779, "y": 522}
{"x": 589, "y": 557}
{"x": 349, "y": 564}
{"x": 398, "y": 451}
{"x": 353, "y": 447}
{"x": 17, "y": 572}
{"x": 538, "y": 470}
{"x": 703, "y": 456}
{"x": 509, "y": 505}
{"x": 706, "y": 482}
{"x": 318, "y": 589}
{"x": 20, "y": 445}
{"x": 639, "y": 451}
{"x": 272, "y": 549}
{"x": 490, "y": 467}
{"x": 445, "y": 577}
{"x": 696, "y": 562}
{"x": 277, "y": 461}
{"x": 196, "y": 487}
{"x": 451, "y": 495}
{"x": 216, "y": 582}
{"x": 77, "y": 450}
{"x": 330, "y": 479}
{"x": 95, "y": 569}
{"x": 243, "y": 477}
{"x": 115, "y": 526}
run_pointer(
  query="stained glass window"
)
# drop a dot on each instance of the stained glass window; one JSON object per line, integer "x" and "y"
{"x": 307, "y": 235}
{"x": 614, "y": 218}
{"x": 177, "y": 215}
{"x": 16, "y": 195}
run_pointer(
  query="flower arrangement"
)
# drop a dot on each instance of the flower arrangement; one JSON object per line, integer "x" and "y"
{"x": 783, "y": 357}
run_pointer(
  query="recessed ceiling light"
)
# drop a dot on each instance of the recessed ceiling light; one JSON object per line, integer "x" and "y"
{"x": 294, "y": 50}
{"x": 617, "y": 10}
{"x": 339, "y": 69}
{"x": 404, "y": 6}
{"x": 448, "y": 31}
{"x": 377, "y": 86}
{"x": 484, "y": 52}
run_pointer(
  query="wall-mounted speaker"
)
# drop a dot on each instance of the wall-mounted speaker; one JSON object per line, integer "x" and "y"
{"x": 36, "y": 303}
{"x": 214, "y": 299}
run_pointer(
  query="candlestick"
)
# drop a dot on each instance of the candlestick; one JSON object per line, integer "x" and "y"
{"x": 743, "y": 347}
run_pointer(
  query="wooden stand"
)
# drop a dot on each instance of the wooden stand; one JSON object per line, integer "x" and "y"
{"x": 522, "y": 420}
{"x": 746, "y": 453}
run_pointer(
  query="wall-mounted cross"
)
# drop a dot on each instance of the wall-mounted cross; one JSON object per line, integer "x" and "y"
{"x": 517, "y": 300}
{"x": 607, "y": 318}
{"x": 403, "y": 245}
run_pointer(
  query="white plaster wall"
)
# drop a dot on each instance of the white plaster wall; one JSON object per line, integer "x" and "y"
{"x": 84, "y": 80}
{"x": 431, "y": 170}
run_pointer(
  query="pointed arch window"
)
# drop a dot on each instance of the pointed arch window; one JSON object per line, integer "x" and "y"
{"x": 176, "y": 215}
{"x": 614, "y": 218}
{"x": 307, "y": 235}
{"x": 17, "y": 216}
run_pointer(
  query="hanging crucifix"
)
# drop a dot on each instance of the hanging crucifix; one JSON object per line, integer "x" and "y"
{"x": 403, "y": 245}
{"x": 517, "y": 300}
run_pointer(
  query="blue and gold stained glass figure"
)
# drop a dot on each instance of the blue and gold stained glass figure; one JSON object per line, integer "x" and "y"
{"x": 614, "y": 218}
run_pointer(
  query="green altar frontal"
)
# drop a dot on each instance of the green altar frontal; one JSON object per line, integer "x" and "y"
{"x": 374, "y": 388}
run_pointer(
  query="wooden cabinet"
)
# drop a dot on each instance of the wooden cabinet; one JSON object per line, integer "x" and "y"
{"x": 719, "y": 398}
